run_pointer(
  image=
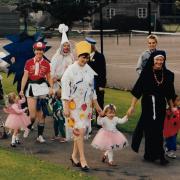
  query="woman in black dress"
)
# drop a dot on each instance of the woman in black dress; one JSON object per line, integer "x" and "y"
{"x": 156, "y": 87}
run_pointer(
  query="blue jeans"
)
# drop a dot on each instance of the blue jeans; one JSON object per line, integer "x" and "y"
{"x": 171, "y": 143}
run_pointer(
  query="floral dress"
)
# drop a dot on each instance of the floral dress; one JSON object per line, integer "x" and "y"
{"x": 78, "y": 89}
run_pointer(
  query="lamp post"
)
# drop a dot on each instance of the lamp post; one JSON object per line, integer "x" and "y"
{"x": 101, "y": 26}
{"x": 149, "y": 17}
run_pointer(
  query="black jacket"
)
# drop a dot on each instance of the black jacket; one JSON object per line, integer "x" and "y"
{"x": 98, "y": 64}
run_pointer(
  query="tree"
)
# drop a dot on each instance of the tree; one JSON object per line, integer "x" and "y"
{"x": 62, "y": 11}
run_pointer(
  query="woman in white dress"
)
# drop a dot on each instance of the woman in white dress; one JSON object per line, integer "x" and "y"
{"x": 79, "y": 97}
{"x": 59, "y": 63}
{"x": 62, "y": 58}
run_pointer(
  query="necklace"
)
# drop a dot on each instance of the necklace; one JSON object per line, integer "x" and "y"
{"x": 156, "y": 79}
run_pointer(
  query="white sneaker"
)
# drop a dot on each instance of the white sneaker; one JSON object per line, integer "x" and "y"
{"x": 40, "y": 139}
{"x": 26, "y": 133}
{"x": 171, "y": 154}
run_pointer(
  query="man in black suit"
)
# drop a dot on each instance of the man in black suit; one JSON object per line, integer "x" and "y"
{"x": 98, "y": 64}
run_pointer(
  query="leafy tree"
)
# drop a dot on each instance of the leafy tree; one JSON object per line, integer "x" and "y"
{"x": 63, "y": 11}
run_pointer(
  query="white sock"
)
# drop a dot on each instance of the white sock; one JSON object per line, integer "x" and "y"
{"x": 110, "y": 155}
{"x": 17, "y": 137}
{"x": 106, "y": 153}
{"x": 13, "y": 139}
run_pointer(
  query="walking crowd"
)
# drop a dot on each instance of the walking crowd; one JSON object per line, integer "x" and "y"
{"x": 73, "y": 84}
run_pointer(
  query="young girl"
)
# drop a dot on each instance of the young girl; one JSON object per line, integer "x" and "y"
{"x": 108, "y": 137}
{"x": 17, "y": 118}
{"x": 171, "y": 128}
{"x": 58, "y": 117}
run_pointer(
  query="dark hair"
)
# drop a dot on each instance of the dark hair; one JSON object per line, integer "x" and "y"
{"x": 84, "y": 54}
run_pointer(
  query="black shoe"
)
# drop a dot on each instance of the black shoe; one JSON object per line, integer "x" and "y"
{"x": 17, "y": 142}
{"x": 78, "y": 164}
{"x": 164, "y": 162}
{"x": 85, "y": 168}
{"x": 13, "y": 145}
{"x": 148, "y": 159}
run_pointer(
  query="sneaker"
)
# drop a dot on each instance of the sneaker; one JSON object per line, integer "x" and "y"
{"x": 40, "y": 139}
{"x": 171, "y": 154}
{"x": 26, "y": 133}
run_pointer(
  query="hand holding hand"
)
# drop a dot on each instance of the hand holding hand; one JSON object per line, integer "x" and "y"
{"x": 21, "y": 93}
{"x": 130, "y": 111}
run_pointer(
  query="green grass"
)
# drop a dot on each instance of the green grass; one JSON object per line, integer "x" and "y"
{"x": 122, "y": 100}
{"x": 18, "y": 166}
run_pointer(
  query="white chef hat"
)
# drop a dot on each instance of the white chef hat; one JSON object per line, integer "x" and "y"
{"x": 63, "y": 29}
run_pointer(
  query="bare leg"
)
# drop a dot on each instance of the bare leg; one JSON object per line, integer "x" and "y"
{"x": 75, "y": 152}
{"x": 80, "y": 145}
{"x": 32, "y": 110}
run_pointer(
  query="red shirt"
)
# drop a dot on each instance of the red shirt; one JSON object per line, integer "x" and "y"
{"x": 171, "y": 123}
{"x": 44, "y": 69}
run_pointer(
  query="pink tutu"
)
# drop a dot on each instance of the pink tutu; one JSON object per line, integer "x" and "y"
{"x": 15, "y": 121}
{"x": 109, "y": 140}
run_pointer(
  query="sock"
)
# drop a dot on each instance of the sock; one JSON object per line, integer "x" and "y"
{"x": 17, "y": 137}
{"x": 106, "y": 153}
{"x": 40, "y": 129}
{"x": 13, "y": 139}
{"x": 110, "y": 155}
{"x": 32, "y": 122}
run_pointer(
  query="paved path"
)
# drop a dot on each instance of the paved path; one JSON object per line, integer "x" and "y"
{"x": 130, "y": 165}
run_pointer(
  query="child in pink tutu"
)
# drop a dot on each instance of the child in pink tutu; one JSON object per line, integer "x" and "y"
{"x": 108, "y": 137}
{"x": 17, "y": 118}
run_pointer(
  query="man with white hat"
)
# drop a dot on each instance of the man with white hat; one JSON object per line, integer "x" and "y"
{"x": 98, "y": 64}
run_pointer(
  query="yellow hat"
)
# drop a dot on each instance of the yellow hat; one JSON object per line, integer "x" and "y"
{"x": 83, "y": 47}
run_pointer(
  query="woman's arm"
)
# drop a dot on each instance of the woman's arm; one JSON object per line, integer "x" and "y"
{"x": 97, "y": 107}
{"x": 132, "y": 107}
{"x": 23, "y": 82}
{"x": 50, "y": 81}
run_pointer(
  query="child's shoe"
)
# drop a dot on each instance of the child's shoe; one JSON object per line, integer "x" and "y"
{"x": 54, "y": 138}
{"x": 13, "y": 145}
{"x": 111, "y": 163}
{"x": 26, "y": 133}
{"x": 40, "y": 139}
{"x": 62, "y": 140}
{"x": 171, "y": 154}
{"x": 17, "y": 142}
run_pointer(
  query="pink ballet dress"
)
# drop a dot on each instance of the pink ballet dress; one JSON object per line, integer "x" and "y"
{"x": 108, "y": 137}
{"x": 17, "y": 118}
